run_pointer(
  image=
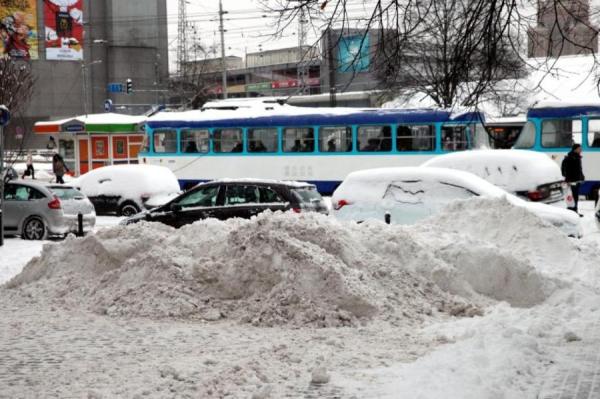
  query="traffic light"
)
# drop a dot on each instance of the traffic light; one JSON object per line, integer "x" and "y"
{"x": 129, "y": 86}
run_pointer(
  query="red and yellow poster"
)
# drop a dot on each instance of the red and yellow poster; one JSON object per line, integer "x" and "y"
{"x": 18, "y": 29}
{"x": 63, "y": 20}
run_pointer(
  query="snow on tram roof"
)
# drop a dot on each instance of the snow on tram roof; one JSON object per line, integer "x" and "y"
{"x": 560, "y": 109}
{"x": 303, "y": 116}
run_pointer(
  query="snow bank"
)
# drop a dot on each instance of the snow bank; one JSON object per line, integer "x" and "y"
{"x": 303, "y": 270}
{"x": 274, "y": 269}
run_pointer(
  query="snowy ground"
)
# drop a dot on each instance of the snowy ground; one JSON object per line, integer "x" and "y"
{"x": 56, "y": 343}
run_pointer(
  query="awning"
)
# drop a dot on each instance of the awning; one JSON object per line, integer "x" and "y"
{"x": 93, "y": 123}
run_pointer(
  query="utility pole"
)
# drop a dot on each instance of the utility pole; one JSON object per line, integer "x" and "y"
{"x": 303, "y": 64}
{"x": 223, "y": 64}
{"x": 330, "y": 60}
{"x": 182, "y": 56}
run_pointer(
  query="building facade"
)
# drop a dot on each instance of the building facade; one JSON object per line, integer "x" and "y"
{"x": 563, "y": 28}
{"x": 121, "y": 40}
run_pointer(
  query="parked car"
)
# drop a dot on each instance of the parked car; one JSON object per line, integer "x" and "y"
{"x": 73, "y": 203}
{"x": 243, "y": 198}
{"x": 410, "y": 194}
{"x": 32, "y": 210}
{"x": 530, "y": 175}
{"x": 124, "y": 189}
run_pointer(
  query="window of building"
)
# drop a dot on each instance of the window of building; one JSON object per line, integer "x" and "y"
{"x": 456, "y": 137}
{"x": 335, "y": 139}
{"x": 228, "y": 140}
{"x": 561, "y": 133}
{"x": 374, "y": 139}
{"x": 195, "y": 141}
{"x": 298, "y": 139}
{"x": 165, "y": 141}
{"x": 262, "y": 140}
{"x": 415, "y": 138}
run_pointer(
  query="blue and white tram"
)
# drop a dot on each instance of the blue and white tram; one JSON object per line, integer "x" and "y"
{"x": 553, "y": 128}
{"x": 317, "y": 145}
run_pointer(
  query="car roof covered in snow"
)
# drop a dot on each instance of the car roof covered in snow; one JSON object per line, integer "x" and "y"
{"x": 512, "y": 170}
{"x": 289, "y": 183}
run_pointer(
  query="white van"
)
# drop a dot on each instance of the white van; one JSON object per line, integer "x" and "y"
{"x": 530, "y": 175}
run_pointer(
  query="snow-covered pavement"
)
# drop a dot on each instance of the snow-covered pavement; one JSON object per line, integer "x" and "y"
{"x": 91, "y": 317}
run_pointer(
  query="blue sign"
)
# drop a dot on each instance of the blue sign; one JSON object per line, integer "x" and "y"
{"x": 108, "y": 105}
{"x": 354, "y": 53}
{"x": 115, "y": 87}
{"x": 74, "y": 127}
{"x": 4, "y": 115}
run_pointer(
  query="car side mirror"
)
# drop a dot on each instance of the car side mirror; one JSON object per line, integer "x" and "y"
{"x": 175, "y": 207}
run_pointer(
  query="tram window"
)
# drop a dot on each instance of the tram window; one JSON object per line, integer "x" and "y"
{"x": 262, "y": 140}
{"x": 456, "y": 137}
{"x": 374, "y": 138}
{"x": 165, "y": 141}
{"x": 526, "y": 138}
{"x": 144, "y": 146}
{"x": 415, "y": 138}
{"x": 561, "y": 133}
{"x": 298, "y": 139}
{"x": 195, "y": 141}
{"x": 594, "y": 133}
{"x": 335, "y": 139}
{"x": 227, "y": 140}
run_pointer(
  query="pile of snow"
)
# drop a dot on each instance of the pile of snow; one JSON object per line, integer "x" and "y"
{"x": 274, "y": 269}
{"x": 128, "y": 181}
{"x": 301, "y": 270}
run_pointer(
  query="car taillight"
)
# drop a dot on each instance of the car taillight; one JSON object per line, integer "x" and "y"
{"x": 55, "y": 203}
{"x": 340, "y": 204}
{"x": 538, "y": 195}
{"x": 297, "y": 210}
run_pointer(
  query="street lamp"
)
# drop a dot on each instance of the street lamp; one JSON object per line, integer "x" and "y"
{"x": 84, "y": 66}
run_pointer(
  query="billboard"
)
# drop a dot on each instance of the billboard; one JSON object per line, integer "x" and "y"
{"x": 18, "y": 29}
{"x": 63, "y": 20}
{"x": 354, "y": 53}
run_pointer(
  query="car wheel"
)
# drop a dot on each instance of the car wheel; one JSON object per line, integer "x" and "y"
{"x": 34, "y": 229}
{"x": 128, "y": 209}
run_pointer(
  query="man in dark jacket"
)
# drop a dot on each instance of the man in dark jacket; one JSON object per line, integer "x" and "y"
{"x": 573, "y": 171}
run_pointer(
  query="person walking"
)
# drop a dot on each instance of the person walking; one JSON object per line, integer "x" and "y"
{"x": 29, "y": 163}
{"x": 572, "y": 170}
{"x": 59, "y": 168}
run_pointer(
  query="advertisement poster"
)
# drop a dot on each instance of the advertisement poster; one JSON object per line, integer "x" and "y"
{"x": 63, "y": 20}
{"x": 354, "y": 54}
{"x": 18, "y": 29}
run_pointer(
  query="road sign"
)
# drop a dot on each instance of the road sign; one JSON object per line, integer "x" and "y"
{"x": 115, "y": 87}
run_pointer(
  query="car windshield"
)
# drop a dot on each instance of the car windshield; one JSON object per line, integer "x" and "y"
{"x": 66, "y": 193}
{"x": 307, "y": 194}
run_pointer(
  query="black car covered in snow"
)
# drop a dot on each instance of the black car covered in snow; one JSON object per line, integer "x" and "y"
{"x": 243, "y": 198}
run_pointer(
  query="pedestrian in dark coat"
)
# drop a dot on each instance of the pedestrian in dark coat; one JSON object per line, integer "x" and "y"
{"x": 59, "y": 168}
{"x": 572, "y": 170}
